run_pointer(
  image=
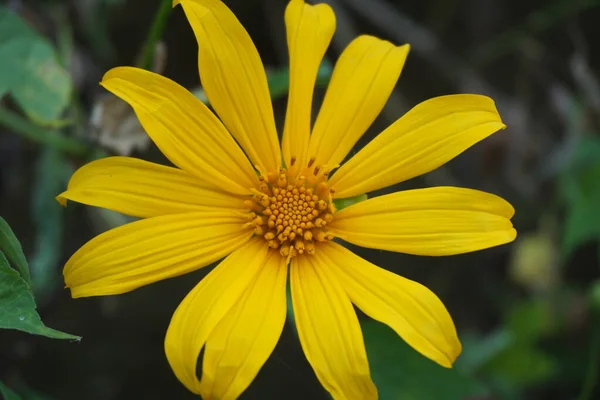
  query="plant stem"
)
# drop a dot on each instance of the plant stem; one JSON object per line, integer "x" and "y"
{"x": 50, "y": 137}
{"x": 156, "y": 31}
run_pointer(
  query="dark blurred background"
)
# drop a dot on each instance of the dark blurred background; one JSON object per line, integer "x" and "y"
{"x": 528, "y": 313}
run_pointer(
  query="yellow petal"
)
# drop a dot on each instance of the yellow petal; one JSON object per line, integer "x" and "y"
{"x": 329, "y": 331}
{"x": 234, "y": 80}
{"x": 409, "y": 308}
{"x": 245, "y": 338}
{"x": 206, "y": 305}
{"x": 309, "y": 31}
{"x": 432, "y": 222}
{"x": 149, "y": 250}
{"x": 183, "y": 128}
{"x": 428, "y": 136}
{"x": 143, "y": 189}
{"x": 363, "y": 79}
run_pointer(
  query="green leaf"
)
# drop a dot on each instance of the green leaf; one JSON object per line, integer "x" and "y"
{"x": 479, "y": 350}
{"x": 522, "y": 365}
{"x": 594, "y": 297}
{"x": 11, "y": 25}
{"x": 340, "y": 204}
{"x": 401, "y": 373}
{"x": 10, "y": 246}
{"x": 17, "y": 307}
{"x": 26, "y": 393}
{"x": 5, "y": 391}
{"x": 578, "y": 187}
{"x": 531, "y": 320}
{"x": 581, "y": 226}
{"x": 522, "y": 362}
{"x": 30, "y": 394}
{"x": 30, "y": 70}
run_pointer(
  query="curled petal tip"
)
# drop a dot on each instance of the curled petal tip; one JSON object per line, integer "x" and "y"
{"x": 108, "y": 75}
{"x": 61, "y": 199}
{"x": 404, "y": 48}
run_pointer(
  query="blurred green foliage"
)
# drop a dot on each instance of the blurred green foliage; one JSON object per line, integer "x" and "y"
{"x": 30, "y": 70}
{"x": 401, "y": 373}
{"x": 535, "y": 338}
{"x": 579, "y": 186}
{"x": 522, "y": 362}
{"x": 24, "y": 394}
{"x": 52, "y": 173}
{"x": 7, "y": 393}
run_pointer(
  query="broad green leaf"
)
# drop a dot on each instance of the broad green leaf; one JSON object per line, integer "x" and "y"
{"x": 30, "y": 70}
{"x": 10, "y": 26}
{"x": 51, "y": 176}
{"x": 401, "y": 373}
{"x": 10, "y": 246}
{"x": 17, "y": 307}
{"x": 6, "y": 392}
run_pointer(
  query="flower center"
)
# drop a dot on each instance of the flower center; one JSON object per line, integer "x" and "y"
{"x": 291, "y": 209}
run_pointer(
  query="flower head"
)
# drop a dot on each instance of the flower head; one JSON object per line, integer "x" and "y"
{"x": 269, "y": 209}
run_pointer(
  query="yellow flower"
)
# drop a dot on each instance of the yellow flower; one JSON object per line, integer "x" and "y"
{"x": 229, "y": 196}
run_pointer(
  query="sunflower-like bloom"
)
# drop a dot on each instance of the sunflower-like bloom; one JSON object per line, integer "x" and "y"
{"x": 269, "y": 209}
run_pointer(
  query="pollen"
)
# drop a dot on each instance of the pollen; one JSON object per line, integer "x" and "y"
{"x": 291, "y": 209}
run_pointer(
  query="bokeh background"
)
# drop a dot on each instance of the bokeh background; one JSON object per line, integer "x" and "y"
{"x": 528, "y": 313}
